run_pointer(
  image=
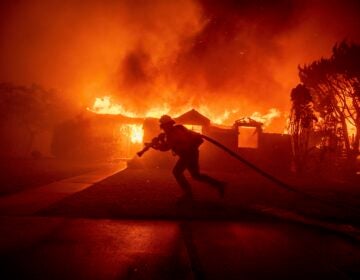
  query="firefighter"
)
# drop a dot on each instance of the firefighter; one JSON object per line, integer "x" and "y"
{"x": 185, "y": 144}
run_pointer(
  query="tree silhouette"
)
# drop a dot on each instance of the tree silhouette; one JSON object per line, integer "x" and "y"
{"x": 24, "y": 112}
{"x": 301, "y": 124}
{"x": 346, "y": 60}
{"x": 334, "y": 87}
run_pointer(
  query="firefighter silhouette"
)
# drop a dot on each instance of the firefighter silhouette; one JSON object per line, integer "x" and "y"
{"x": 185, "y": 144}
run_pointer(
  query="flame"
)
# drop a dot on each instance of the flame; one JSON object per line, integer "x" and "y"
{"x": 157, "y": 112}
{"x": 134, "y": 132}
{"x": 221, "y": 118}
{"x": 105, "y": 105}
{"x": 267, "y": 118}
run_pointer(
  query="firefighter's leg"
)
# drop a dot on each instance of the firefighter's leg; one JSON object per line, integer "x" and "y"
{"x": 194, "y": 169}
{"x": 178, "y": 172}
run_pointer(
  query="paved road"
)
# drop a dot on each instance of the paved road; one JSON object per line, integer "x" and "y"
{"x": 128, "y": 226}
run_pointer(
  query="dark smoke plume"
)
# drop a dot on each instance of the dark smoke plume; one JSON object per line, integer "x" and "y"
{"x": 226, "y": 55}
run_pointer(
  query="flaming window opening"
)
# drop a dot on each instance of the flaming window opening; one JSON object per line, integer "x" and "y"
{"x": 196, "y": 128}
{"x": 248, "y": 137}
{"x": 134, "y": 132}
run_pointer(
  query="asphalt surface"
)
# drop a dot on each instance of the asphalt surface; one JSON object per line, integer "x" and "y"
{"x": 129, "y": 225}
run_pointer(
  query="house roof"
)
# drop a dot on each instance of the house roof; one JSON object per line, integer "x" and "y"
{"x": 112, "y": 118}
{"x": 193, "y": 117}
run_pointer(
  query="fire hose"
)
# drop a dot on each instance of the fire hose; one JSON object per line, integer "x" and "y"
{"x": 272, "y": 178}
{"x": 155, "y": 140}
{"x": 262, "y": 172}
{"x": 249, "y": 164}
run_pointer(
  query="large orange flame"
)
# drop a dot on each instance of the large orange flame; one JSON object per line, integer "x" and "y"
{"x": 267, "y": 118}
{"x": 135, "y": 132}
{"x": 104, "y": 105}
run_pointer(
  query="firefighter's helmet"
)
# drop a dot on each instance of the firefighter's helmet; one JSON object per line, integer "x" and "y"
{"x": 166, "y": 120}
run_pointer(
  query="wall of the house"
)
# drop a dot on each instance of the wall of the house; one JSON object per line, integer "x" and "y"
{"x": 273, "y": 152}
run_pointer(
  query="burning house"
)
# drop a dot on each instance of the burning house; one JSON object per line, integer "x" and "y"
{"x": 100, "y": 135}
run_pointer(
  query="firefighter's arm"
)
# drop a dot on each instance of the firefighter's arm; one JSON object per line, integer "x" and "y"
{"x": 160, "y": 143}
{"x": 162, "y": 148}
{"x": 157, "y": 143}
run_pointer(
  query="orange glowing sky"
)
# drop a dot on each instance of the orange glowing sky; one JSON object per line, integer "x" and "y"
{"x": 238, "y": 56}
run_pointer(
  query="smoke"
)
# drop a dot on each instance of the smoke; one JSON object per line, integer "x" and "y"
{"x": 239, "y": 56}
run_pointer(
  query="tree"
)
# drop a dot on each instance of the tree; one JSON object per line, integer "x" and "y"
{"x": 334, "y": 86}
{"x": 301, "y": 124}
{"x": 346, "y": 59}
{"x": 24, "y": 112}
